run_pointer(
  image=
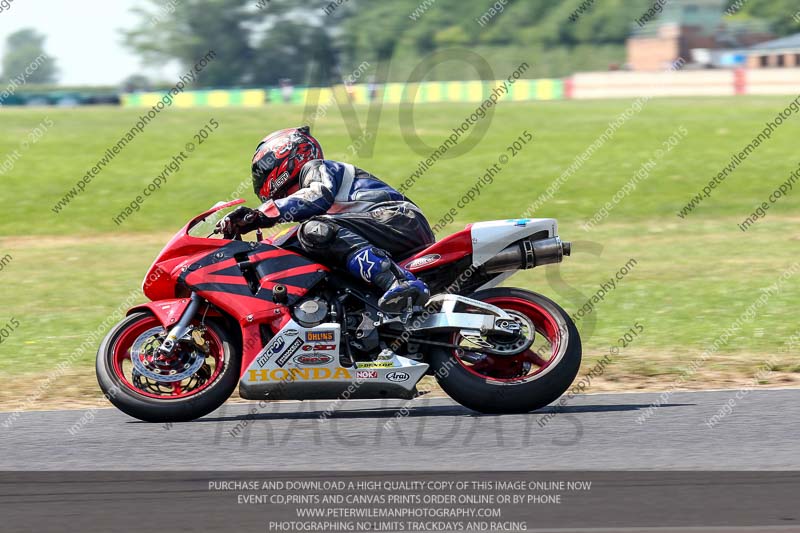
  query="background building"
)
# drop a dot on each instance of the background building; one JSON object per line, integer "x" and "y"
{"x": 784, "y": 52}
{"x": 685, "y": 25}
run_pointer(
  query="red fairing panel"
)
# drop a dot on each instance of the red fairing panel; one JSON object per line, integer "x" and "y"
{"x": 159, "y": 283}
{"x": 451, "y": 248}
{"x": 168, "y": 312}
{"x": 218, "y": 278}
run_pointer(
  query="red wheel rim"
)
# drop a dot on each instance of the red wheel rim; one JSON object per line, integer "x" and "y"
{"x": 121, "y": 354}
{"x": 541, "y": 359}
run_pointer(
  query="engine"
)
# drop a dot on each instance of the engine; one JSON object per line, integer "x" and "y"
{"x": 311, "y": 312}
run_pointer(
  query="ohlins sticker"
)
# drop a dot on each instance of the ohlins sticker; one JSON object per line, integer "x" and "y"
{"x": 276, "y": 346}
{"x": 290, "y": 351}
{"x": 319, "y": 336}
{"x": 298, "y": 374}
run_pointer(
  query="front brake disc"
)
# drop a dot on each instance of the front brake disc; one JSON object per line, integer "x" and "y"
{"x": 147, "y": 362}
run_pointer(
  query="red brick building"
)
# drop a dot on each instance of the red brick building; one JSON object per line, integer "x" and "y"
{"x": 682, "y": 26}
{"x": 780, "y": 53}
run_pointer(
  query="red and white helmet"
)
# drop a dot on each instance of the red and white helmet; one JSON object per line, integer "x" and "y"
{"x": 278, "y": 160}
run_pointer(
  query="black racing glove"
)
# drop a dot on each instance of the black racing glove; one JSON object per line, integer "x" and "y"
{"x": 244, "y": 220}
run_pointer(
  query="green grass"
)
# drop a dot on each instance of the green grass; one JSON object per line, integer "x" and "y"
{"x": 693, "y": 279}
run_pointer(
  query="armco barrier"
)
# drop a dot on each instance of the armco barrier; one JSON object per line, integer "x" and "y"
{"x": 214, "y": 98}
{"x": 590, "y": 85}
{"x": 586, "y": 85}
{"x": 773, "y": 81}
{"x": 393, "y": 93}
{"x": 623, "y": 84}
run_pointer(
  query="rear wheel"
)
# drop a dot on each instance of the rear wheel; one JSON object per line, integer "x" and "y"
{"x": 519, "y": 380}
{"x": 195, "y": 379}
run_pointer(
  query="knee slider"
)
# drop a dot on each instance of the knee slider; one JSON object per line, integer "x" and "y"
{"x": 317, "y": 233}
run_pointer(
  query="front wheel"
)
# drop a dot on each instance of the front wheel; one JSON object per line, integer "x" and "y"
{"x": 196, "y": 378}
{"x": 520, "y": 381}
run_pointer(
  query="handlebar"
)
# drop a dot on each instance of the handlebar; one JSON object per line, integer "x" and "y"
{"x": 236, "y": 236}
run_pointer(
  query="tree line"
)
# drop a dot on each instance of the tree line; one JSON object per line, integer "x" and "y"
{"x": 317, "y": 42}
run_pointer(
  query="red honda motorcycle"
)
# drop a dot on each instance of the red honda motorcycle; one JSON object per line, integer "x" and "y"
{"x": 225, "y": 312}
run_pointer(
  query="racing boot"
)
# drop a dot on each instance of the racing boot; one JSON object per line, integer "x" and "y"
{"x": 402, "y": 290}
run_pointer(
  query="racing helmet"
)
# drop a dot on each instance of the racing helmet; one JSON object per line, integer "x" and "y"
{"x": 278, "y": 160}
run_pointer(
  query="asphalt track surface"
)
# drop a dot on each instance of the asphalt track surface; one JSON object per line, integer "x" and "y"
{"x": 591, "y": 432}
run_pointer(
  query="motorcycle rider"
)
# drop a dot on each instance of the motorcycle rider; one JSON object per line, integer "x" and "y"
{"x": 350, "y": 218}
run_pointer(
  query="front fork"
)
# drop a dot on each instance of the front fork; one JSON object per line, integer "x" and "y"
{"x": 182, "y": 327}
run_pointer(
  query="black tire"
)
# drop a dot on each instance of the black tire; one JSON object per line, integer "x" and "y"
{"x": 487, "y": 395}
{"x": 163, "y": 410}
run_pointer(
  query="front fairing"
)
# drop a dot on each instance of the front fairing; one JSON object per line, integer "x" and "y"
{"x": 162, "y": 276}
